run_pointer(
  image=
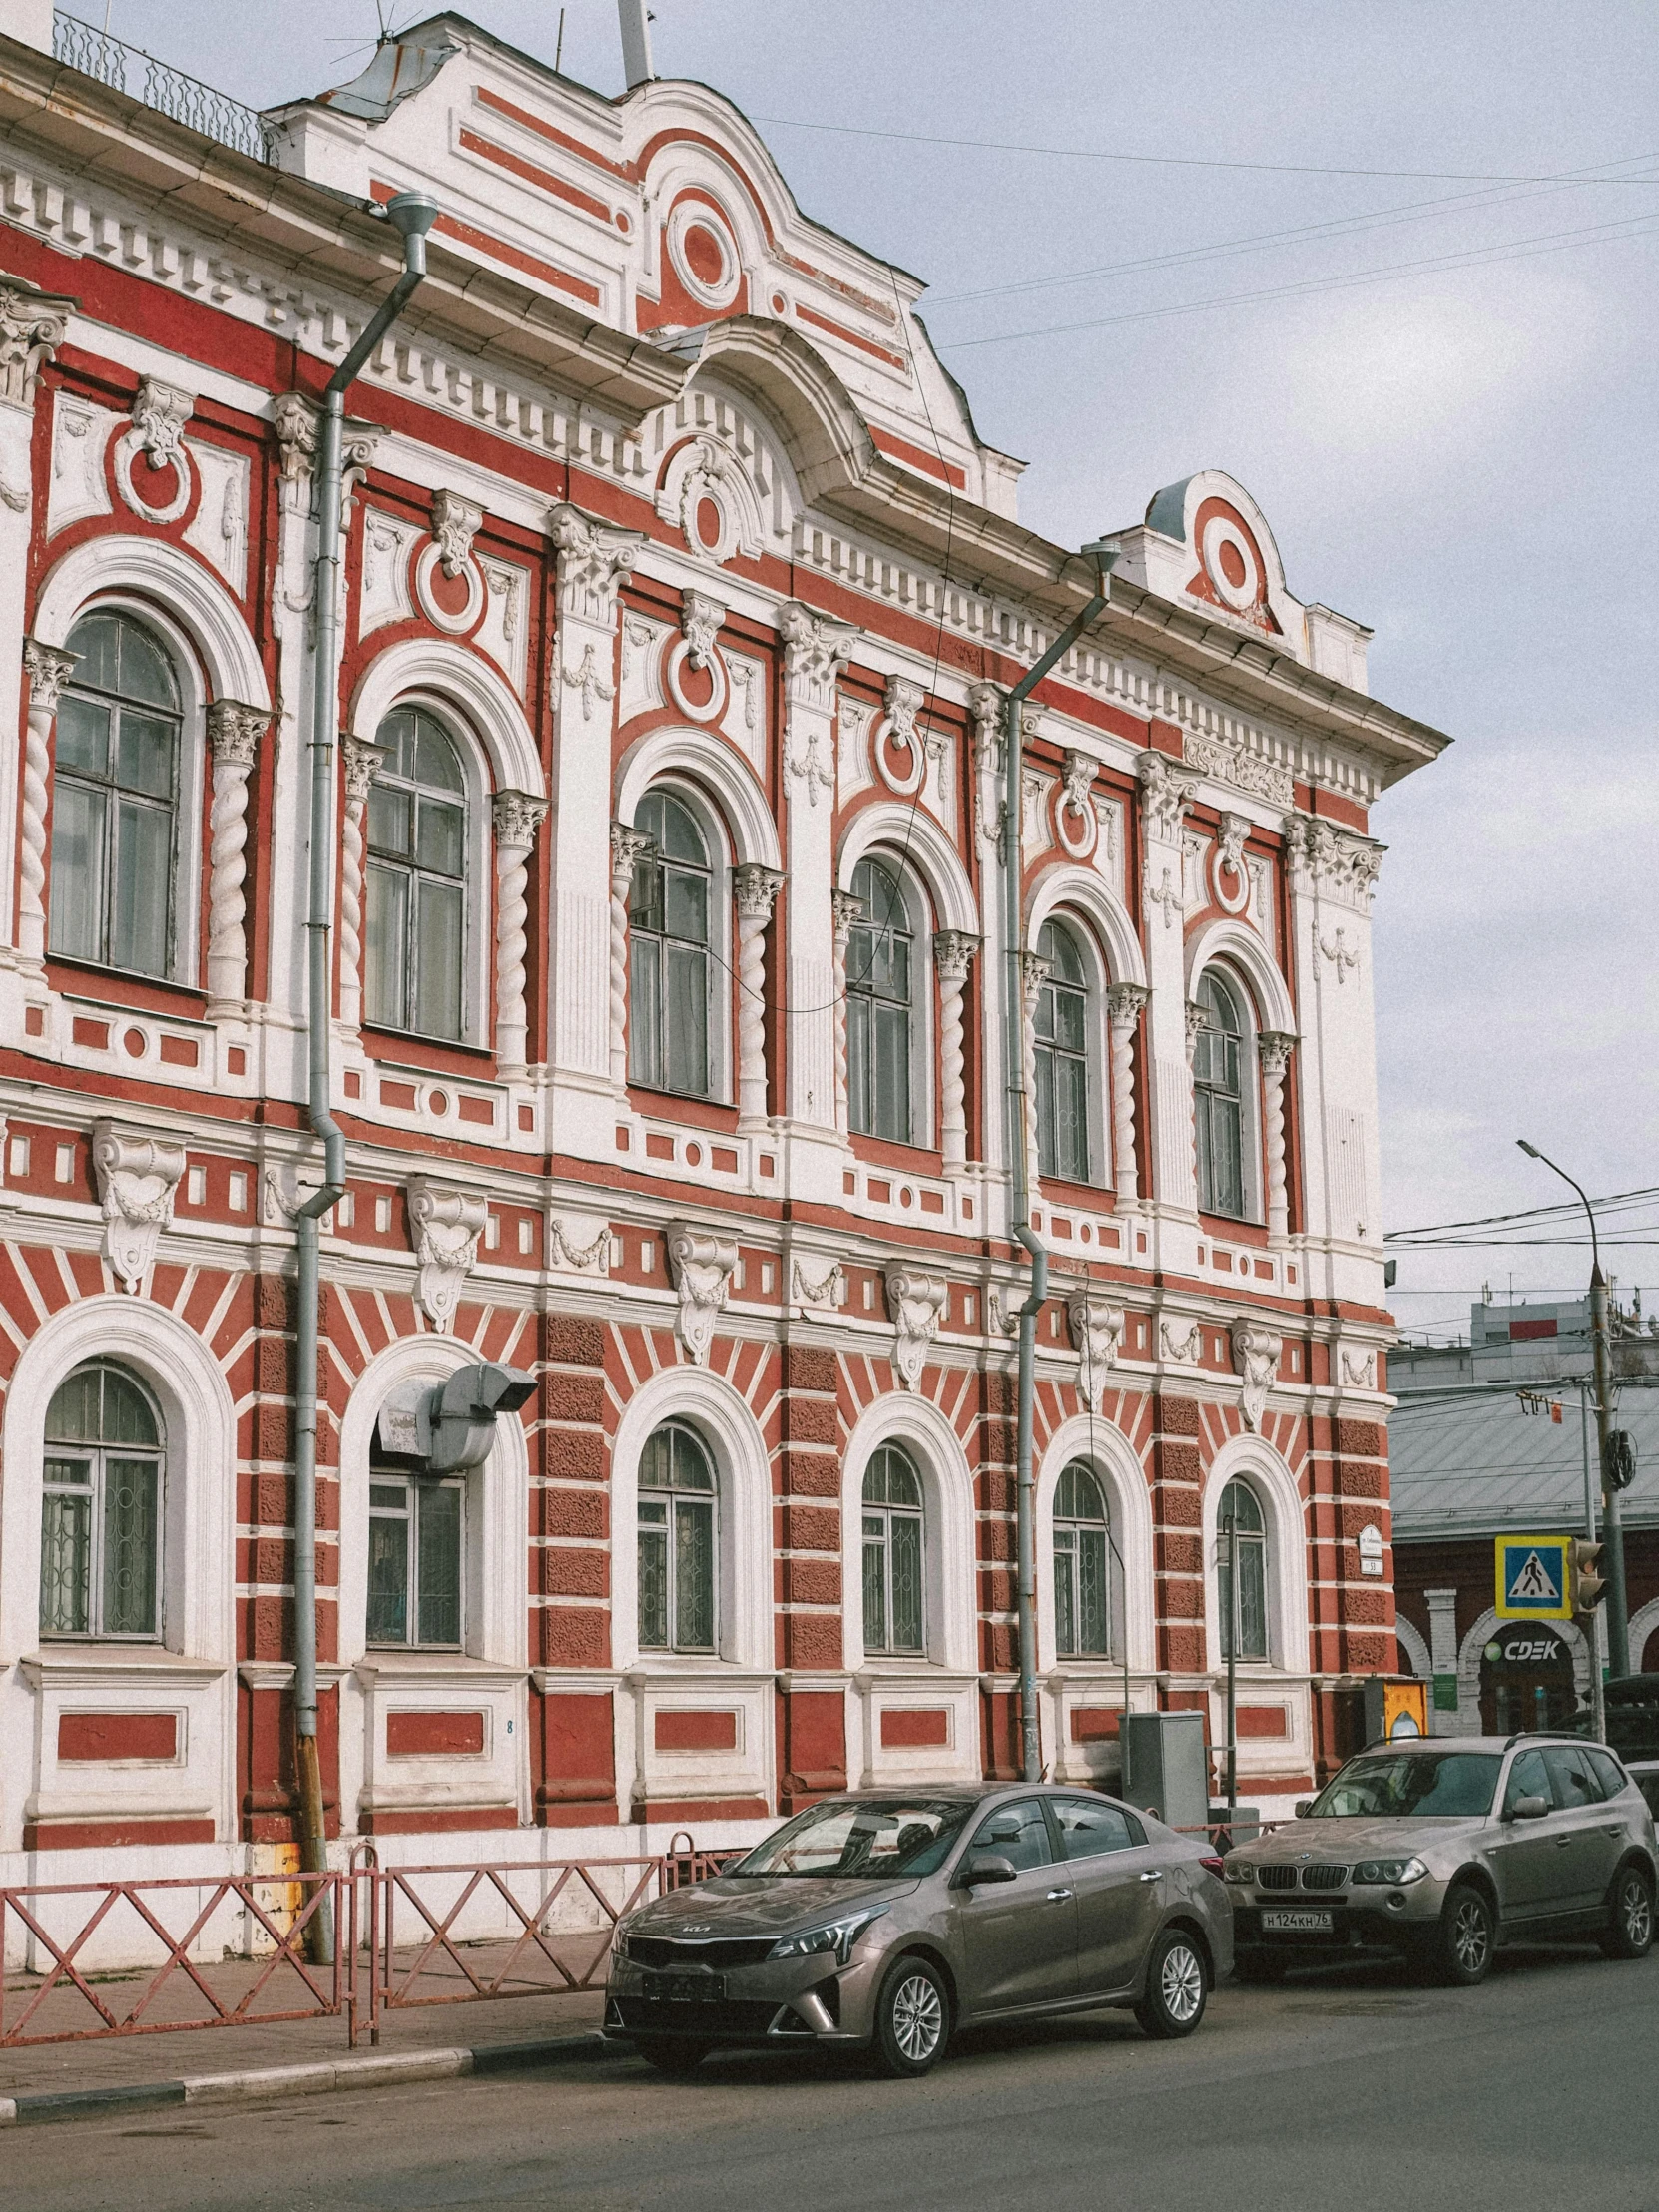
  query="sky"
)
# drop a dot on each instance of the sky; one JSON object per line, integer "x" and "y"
{"x": 1460, "y": 456}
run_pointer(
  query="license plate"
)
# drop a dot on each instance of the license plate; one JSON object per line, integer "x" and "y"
{"x": 1296, "y": 1924}
{"x": 684, "y": 1988}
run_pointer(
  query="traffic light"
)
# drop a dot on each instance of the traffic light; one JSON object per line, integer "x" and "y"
{"x": 1588, "y": 1586}
{"x": 1618, "y": 1459}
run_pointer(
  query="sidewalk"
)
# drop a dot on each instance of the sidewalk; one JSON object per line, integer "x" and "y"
{"x": 280, "y": 2058}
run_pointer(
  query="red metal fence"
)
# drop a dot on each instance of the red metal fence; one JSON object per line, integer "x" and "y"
{"x": 233, "y": 1949}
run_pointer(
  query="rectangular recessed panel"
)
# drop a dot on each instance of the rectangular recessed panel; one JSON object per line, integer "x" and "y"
{"x": 180, "y": 1052}
{"x": 906, "y": 1728}
{"x": 696, "y": 1731}
{"x": 398, "y": 1094}
{"x": 92, "y": 1033}
{"x": 1091, "y": 1723}
{"x": 118, "y": 1736}
{"x": 658, "y": 1147}
{"x": 725, "y": 1161}
{"x": 477, "y": 1109}
{"x": 1264, "y": 1719}
{"x": 434, "y": 1735}
{"x": 932, "y": 1202}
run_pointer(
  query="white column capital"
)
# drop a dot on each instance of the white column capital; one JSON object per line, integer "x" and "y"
{"x": 594, "y": 563}
{"x": 32, "y": 326}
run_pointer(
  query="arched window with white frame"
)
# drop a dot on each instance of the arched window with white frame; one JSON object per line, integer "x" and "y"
{"x": 1082, "y": 1565}
{"x": 102, "y": 1508}
{"x": 1221, "y": 1071}
{"x": 678, "y": 1502}
{"x": 670, "y": 938}
{"x": 1241, "y": 1531}
{"x": 417, "y": 881}
{"x": 416, "y": 1555}
{"x": 115, "y": 793}
{"x": 883, "y": 968}
{"x": 1064, "y": 1106}
{"x": 894, "y": 1548}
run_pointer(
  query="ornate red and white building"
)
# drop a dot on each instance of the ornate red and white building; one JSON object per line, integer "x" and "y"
{"x": 681, "y": 600}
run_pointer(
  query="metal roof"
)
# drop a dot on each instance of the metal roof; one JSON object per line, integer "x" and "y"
{"x": 1480, "y": 1464}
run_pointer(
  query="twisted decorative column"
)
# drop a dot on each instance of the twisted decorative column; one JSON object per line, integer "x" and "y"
{"x": 48, "y": 670}
{"x": 755, "y": 887}
{"x": 953, "y": 951}
{"x": 1033, "y": 976}
{"x": 233, "y": 733}
{"x": 361, "y": 760}
{"x": 845, "y": 911}
{"x": 1123, "y": 1012}
{"x": 517, "y": 817}
{"x": 628, "y": 848}
{"x": 1273, "y": 1053}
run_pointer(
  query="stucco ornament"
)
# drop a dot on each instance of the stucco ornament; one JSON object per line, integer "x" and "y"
{"x": 915, "y": 1303}
{"x": 1255, "y": 1356}
{"x": 137, "y": 1177}
{"x": 1097, "y": 1331}
{"x": 447, "y": 1223}
{"x": 701, "y": 1265}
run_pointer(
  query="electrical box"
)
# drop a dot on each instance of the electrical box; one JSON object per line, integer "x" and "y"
{"x": 1395, "y": 1705}
{"x": 1166, "y": 1767}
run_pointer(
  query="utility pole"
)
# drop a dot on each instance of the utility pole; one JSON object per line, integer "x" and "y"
{"x": 1613, "y": 1530}
{"x": 1591, "y": 1622}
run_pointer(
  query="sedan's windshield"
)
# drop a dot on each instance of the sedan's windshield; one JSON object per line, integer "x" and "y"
{"x": 874, "y": 1837}
{"x": 1420, "y": 1785}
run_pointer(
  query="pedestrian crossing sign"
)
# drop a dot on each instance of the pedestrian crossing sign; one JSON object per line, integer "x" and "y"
{"x": 1533, "y": 1578}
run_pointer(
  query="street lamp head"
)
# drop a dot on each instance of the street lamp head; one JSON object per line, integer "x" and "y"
{"x": 1532, "y": 1150}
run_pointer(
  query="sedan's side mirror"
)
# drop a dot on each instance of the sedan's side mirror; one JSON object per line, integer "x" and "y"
{"x": 986, "y": 1865}
{"x": 1528, "y": 1809}
{"x": 1303, "y": 1806}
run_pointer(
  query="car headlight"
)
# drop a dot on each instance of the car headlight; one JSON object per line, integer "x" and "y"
{"x": 1390, "y": 1870}
{"x": 835, "y": 1937}
{"x": 1238, "y": 1870}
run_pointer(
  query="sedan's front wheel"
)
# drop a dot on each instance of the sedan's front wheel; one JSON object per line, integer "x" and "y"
{"x": 912, "y": 2018}
{"x": 1177, "y": 1987}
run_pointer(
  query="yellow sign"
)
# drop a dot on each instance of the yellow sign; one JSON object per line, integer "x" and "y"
{"x": 1405, "y": 1709}
{"x": 1533, "y": 1582}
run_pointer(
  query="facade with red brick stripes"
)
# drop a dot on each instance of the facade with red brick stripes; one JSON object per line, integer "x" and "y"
{"x": 681, "y": 602}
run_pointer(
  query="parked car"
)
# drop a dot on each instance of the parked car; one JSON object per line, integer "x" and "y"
{"x": 887, "y": 1919}
{"x": 1444, "y": 1848}
{"x": 1645, "y": 1774}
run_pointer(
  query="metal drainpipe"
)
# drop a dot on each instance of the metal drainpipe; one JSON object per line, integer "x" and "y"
{"x": 1020, "y": 1227}
{"x": 412, "y": 214}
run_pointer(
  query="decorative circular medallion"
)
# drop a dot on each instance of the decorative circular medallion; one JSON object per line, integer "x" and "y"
{"x": 704, "y": 254}
{"x": 901, "y": 763}
{"x": 1076, "y": 826}
{"x": 698, "y": 693}
{"x": 135, "y": 1044}
{"x": 437, "y": 1102}
{"x": 158, "y": 494}
{"x": 1232, "y": 563}
{"x": 451, "y": 603}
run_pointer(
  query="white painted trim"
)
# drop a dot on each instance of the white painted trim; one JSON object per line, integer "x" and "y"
{"x": 1415, "y": 1651}
{"x": 700, "y": 758}
{"x": 949, "y": 1593}
{"x": 1081, "y": 890}
{"x": 907, "y": 832}
{"x": 1112, "y": 1456}
{"x": 744, "y": 1609}
{"x": 1290, "y": 1626}
{"x": 460, "y": 680}
{"x": 1643, "y": 1623}
{"x": 158, "y": 574}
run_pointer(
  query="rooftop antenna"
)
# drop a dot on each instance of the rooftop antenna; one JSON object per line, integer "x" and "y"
{"x": 559, "y": 48}
{"x": 636, "y": 21}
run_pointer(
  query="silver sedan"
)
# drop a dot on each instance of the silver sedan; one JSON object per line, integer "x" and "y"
{"x": 887, "y": 1920}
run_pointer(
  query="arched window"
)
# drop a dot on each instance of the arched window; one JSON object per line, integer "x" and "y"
{"x": 101, "y": 1508}
{"x": 893, "y": 1553}
{"x": 1218, "y": 1099}
{"x": 677, "y": 1543}
{"x": 1244, "y": 1606}
{"x": 417, "y": 888}
{"x": 668, "y": 952}
{"x": 1082, "y": 1584}
{"x": 115, "y": 799}
{"x": 417, "y": 1534}
{"x": 880, "y": 968}
{"x": 1062, "y": 1058}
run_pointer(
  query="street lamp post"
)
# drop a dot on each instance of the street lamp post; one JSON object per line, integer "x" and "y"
{"x": 1618, "y": 1616}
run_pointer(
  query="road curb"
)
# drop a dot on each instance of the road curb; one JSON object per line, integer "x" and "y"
{"x": 261, "y": 2084}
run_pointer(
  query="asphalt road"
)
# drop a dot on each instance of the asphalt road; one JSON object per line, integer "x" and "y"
{"x": 1336, "y": 2090}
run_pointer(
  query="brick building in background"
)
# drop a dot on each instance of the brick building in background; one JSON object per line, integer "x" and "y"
{"x": 681, "y": 600}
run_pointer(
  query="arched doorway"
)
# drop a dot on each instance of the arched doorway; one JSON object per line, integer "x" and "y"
{"x": 1526, "y": 1679}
